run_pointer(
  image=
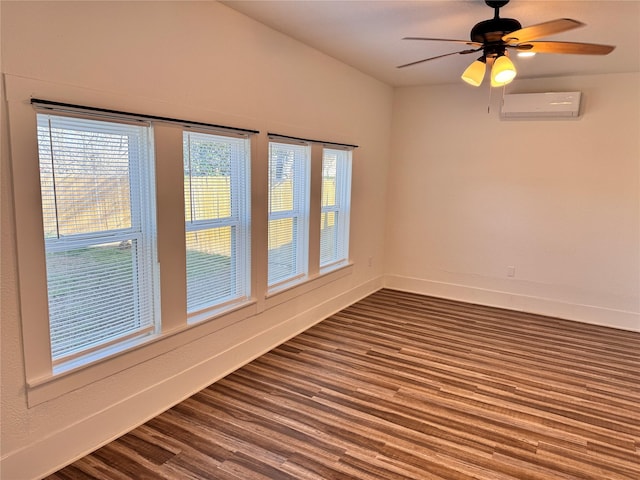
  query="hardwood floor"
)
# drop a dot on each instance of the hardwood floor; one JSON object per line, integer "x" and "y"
{"x": 402, "y": 386}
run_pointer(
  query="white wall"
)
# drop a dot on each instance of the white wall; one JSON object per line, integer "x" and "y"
{"x": 559, "y": 200}
{"x": 468, "y": 196}
{"x": 204, "y": 62}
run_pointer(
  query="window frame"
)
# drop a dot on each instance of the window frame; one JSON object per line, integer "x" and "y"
{"x": 341, "y": 207}
{"x": 43, "y": 380}
{"x": 141, "y": 231}
{"x": 239, "y": 221}
{"x": 299, "y": 213}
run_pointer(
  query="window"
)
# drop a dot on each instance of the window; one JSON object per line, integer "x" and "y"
{"x": 91, "y": 288}
{"x": 216, "y": 185}
{"x": 94, "y": 298}
{"x": 98, "y": 213}
{"x": 288, "y": 213}
{"x": 336, "y": 198}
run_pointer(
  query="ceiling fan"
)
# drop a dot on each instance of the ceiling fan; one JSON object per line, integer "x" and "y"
{"x": 497, "y": 36}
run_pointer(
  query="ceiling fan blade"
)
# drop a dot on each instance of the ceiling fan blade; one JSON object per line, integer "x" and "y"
{"x": 466, "y": 42}
{"x": 576, "y": 48}
{"x": 541, "y": 30}
{"x": 462, "y": 52}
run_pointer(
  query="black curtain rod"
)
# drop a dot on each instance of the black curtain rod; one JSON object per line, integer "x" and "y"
{"x": 139, "y": 115}
{"x": 300, "y": 139}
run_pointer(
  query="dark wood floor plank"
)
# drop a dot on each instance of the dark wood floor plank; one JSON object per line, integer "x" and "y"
{"x": 403, "y": 386}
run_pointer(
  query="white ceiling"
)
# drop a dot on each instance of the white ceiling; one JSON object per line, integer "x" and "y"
{"x": 367, "y": 34}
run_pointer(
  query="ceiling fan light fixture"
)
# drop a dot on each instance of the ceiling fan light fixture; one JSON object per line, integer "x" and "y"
{"x": 496, "y": 35}
{"x": 474, "y": 74}
{"x": 502, "y": 72}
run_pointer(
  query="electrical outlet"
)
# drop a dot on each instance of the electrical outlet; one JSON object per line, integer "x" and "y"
{"x": 370, "y": 261}
{"x": 511, "y": 271}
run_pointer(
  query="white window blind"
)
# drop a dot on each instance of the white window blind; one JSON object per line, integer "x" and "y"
{"x": 217, "y": 183}
{"x": 288, "y": 212}
{"x": 98, "y": 213}
{"x": 336, "y": 199}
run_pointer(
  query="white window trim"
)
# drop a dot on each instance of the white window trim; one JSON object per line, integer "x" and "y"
{"x": 343, "y": 208}
{"x": 44, "y": 381}
{"x": 40, "y": 381}
{"x": 300, "y": 190}
{"x": 142, "y": 229}
{"x": 240, "y": 218}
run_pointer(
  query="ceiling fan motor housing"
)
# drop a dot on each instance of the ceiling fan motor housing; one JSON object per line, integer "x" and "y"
{"x": 496, "y": 3}
{"x": 492, "y": 31}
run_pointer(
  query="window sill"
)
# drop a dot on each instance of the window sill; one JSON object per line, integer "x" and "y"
{"x": 73, "y": 375}
{"x": 218, "y": 311}
{"x": 287, "y": 292}
{"x": 331, "y": 267}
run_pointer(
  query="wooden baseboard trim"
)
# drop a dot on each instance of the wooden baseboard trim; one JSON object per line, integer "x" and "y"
{"x": 608, "y": 317}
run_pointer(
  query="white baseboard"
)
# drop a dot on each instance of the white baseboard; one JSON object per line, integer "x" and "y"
{"x": 63, "y": 447}
{"x": 77, "y": 440}
{"x": 608, "y": 317}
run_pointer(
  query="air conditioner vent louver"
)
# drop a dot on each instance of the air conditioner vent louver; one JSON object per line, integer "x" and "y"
{"x": 541, "y": 105}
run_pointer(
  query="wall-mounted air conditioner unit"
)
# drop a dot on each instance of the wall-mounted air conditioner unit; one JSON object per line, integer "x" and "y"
{"x": 540, "y": 105}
